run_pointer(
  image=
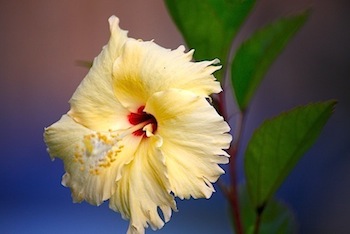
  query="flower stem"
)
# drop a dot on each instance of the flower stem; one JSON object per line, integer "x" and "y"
{"x": 231, "y": 192}
{"x": 234, "y": 197}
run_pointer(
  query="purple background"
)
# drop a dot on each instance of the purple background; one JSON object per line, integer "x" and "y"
{"x": 40, "y": 41}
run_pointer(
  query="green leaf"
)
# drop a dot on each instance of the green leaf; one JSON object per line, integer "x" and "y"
{"x": 209, "y": 26}
{"x": 276, "y": 218}
{"x": 254, "y": 57}
{"x": 278, "y": 144}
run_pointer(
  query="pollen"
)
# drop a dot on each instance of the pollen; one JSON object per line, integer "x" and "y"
{"x": 97, "y": 151}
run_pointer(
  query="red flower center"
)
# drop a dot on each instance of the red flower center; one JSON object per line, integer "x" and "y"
{"x": 142, "y": 117}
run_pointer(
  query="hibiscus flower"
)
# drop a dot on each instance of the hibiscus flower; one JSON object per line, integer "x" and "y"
{"x": 141, "y": 131}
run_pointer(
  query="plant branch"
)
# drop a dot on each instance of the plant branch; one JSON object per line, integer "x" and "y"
{"x": 231, "y": 192}
{"x": 257, "y": 224}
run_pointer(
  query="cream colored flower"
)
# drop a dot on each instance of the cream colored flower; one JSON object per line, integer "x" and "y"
{"x": 141, "y": 131}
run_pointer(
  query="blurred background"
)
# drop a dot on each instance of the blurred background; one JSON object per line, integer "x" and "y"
{"x": 40, "y": 41}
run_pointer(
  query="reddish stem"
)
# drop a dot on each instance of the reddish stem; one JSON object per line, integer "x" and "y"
{"x": 232, "y": 192}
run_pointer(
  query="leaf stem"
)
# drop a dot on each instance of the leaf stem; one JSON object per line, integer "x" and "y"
{"x": 258, "y": 217}
{"x": 257, "y": 224}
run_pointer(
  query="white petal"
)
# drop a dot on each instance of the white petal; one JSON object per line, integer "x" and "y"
{"x": 93, "y": 104}
{"x": 143, "y": 188}
{"x": 145, "y": 68}
{"x": 194, "y": 136}
{"x": 92, "y": 160}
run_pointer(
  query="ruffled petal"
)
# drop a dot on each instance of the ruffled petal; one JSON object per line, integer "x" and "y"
{"x": 93, "y": 104}
{"x": 93, "y": 160}
{"x": 178, "y": 153}
{"x": 194, "y": 136}
{"x": 145, "y": 68}
{"x": 143, "y": 188}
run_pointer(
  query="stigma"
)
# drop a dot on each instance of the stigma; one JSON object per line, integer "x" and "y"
{"x": 144, "y": 122}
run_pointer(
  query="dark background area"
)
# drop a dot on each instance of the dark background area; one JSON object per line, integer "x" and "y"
{"x": 40, "y": 42}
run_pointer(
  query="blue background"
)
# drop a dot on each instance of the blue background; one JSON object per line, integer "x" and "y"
{"x": 40, "y": 41}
